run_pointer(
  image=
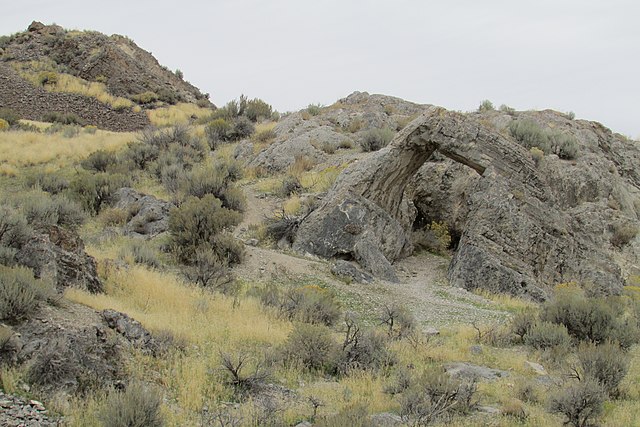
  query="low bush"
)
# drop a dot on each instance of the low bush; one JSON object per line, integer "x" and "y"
{"x": 4, "y": 125}
{"x": 312, "y": 346}
{"x": 63, "y": 118}
{"x": 256, "y": 109}
{"x": 14, "y": 233}
{"x": 95, "y": 192}
{"x": 10, "y": 116}
{"x": 580, "y": 402}
{"x": 314, "y": 109}
{"x": 145, "y": 97}
{"x": 236, "y": 369}
{"x": 218, "y": 131}
{"x": 397, "y": 319}
{"x": 49, "y": 182}
{"x": 530, "y": 134}
{"x": 605, "y": 364}
{"x": 264, "y": 135}
{"x": 99, "y": 161}
{"x": 485, "y": 106}
{"x": 311, "y": 304}
{"x": 363, "y": 350}
{"x": 21, "y": 293}
{"x": 198, "y": 222}
{"x": 435, "y": 238}
{"x": 435, "y": 397}
{"x": 141, "y": 154}
{"x": 547, "y": 335}
{"x": 138, "y": 405}
{"x": 589, "y": 319}
{"x": 375, "y": 139}
{"x": 623, "y": 234}
{"x": 40, "y": 209}
{"x": 282, "y": 226}
{"x": 209, "y": 270}
{"x": 290, "y": 185}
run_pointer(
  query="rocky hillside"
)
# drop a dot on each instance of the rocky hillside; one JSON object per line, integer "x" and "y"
{"x": 530, "y": 199}
{"x": 120, "y": 77}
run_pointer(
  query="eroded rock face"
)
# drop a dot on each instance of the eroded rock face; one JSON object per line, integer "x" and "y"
{"x": 58, "y": 254}
{"x": 151, "y": 214}
{"x": 522, "y": 226}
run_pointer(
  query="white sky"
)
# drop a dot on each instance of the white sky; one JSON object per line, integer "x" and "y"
{"x": 569, "y": 55}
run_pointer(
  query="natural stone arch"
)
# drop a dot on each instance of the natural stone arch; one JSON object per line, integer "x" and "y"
{"x": 516, "y": 239}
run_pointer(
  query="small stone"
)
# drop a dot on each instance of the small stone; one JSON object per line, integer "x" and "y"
{"x": 536, "y": 367}
{"x": 476, "y": 349}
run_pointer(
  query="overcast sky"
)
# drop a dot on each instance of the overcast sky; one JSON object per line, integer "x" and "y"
{"x": 569, "y": 55}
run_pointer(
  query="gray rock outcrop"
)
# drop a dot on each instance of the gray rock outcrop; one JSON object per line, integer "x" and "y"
{"x": 151, "y": 215}
{"x": 520, "y": 226}
{"x": 58, "y": 254}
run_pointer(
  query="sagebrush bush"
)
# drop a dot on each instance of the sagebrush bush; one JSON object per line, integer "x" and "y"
{"x": 141, "y": 154}
{"x": 256, "y": 109}
{"x": 14, "y": 233}
{"x": 290, "y": 185}
{"x": 522, "y": 323}
{"x": 40, "y": 209}
{"x": 589, "y": 319}
{"x": 4, "y": 125}
{"x": 530, "y": 134}
{"x": 605, "y": 364}
{"x": 580, "y": 402}
{"x": 21, "y": 293}
{"x": 264, "y": 135}
{"x": 435, "y": 396}
{"x": 623, "y": 234}
{"x": 138, "y": 405}
{"x": 95, "y": 192}
{"x": 547, "y": 335}
{"x": 63, "y": 118}
{"x": 217, "y": 131}
{"x": 49, "y": 182}
{"x": 197, "y": 222}
{"x": 375, "y": 139}
{"x": 398, "y": 320}
{"x": 364, "y": 350}
{"x": 99, "y": 161}
{"x": 10, "y": 116}
{"x": 314, "y": 109}
{"x": 312, "y": 346}
{"x": 282, "y": 226}
{"x": 311, "y": 304}
{"x": 486, "y": 105}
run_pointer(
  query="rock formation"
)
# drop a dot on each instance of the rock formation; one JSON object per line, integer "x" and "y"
{"x": 522, "y": 226}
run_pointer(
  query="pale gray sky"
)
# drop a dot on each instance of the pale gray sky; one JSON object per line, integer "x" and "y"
{"x": 569, "y": 55}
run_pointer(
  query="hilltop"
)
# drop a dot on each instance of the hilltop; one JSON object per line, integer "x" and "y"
{"x": 103, "y": 80}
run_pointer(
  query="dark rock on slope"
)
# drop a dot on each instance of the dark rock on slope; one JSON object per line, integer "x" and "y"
{"x": 520, "y": 225}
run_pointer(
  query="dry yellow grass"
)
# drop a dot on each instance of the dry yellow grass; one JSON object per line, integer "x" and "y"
{"x": 176, "y": 114}
{"x": 23, "y": 149}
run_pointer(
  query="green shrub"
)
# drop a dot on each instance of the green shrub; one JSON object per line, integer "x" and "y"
{"x": 547, "y": 335}
{"x": 485, "y": 106}
{"x": 14, "y": 229}
{"x": 197, "y": 222}
{"x": 234, "y": 198}
{"x": 506, "y": 109}
{"x": 605, "y": 364}
{"x": 435, "y": 396}
{"x": 138, "y": 405}
{"x": 141, "y": 154}
{"x": 364, "y": 349}
{"x": 564, "y": 145}
{"x": 10, "y": 116}
{"x": 95, "y": 192}
{"x": 588, "y": 319}
{"x": 99, "y": 161}
{"x": 522, "y": 323}
{"x": 312, "y": 346}
{"x": 42, "y": 209}
{"x": 530, "y": 134}
{"x": 63, "y": 118}
{"x": 51, "y": 183}
{"x": 218, "y": 131}
{"x": 20, "y": 293}
{"x": 314, "y": 109}
{"x": 580, "y": 402}
{"x": 311, "y": 304}
{"x": 375, "y": 139}
{"x": 290, "y": 185}
{"x": 398, "y": 320}
{"x": 47, "y": 78}
{"x": 242, "y": 128}
{"x": 623, "y": 234}
{"x": 145, "y": 98}
{"x": 142, "y": 253}
{"x": 256, "y": 109}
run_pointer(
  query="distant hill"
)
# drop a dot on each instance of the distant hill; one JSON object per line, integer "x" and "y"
{"x": 66, "y": 68}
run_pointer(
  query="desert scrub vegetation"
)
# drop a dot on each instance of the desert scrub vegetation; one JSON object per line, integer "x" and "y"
{"x": 531, "y": 135}
{"x": 375, "y": 139}
{"x": 175, "y": 115}
{"x": 21, "y": 293}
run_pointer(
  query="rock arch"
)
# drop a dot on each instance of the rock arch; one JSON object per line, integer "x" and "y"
{"x": 515, "y": 240}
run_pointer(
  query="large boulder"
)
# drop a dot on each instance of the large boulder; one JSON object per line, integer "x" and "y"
{"x": 151, "y": 215}
{"x": 58, "y": 254}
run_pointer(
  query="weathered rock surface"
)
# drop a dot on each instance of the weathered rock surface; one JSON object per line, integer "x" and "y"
{"x": 474, "y": 372}
{"x": 347, "y": 270}
{"x": 151, "y": 214}
{"x": 518, "y": 226}
{"x": 131, "y": 330}
{"x": 58, "y": 254}
{"x": 18, "y": 412}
